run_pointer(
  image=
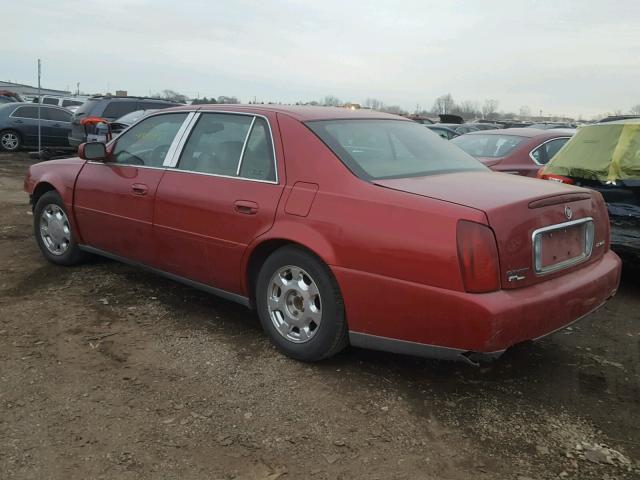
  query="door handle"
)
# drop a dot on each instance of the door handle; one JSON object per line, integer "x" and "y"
{"x": 56, "y": 124}
{"x": 139, "y": 189}
{"x": 246, "y": 207}
{"x": 18, "y": 121}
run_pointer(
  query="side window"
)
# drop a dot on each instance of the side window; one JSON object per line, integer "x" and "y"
{"x": 546, "y": 152}
{"x": 117, "y": 108}
{"x": 58, "y": 115}
{"x": 148, "y": 142}
{"x": 554, "y": 147}
{"x": 27, "y": 112}
{"x": 50, "y": 101}
{"x": 215, "y": 144}
{"x": 257, "y": 161}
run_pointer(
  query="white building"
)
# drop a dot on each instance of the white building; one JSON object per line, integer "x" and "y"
{"x": 27, "y": 91}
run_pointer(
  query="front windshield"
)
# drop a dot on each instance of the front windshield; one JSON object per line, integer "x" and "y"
{"x": 489, "y": 146}
{"x": 379, "y": 149}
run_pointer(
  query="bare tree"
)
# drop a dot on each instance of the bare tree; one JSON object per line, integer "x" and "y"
{"x": 489, "y": 108}
{"x": 444, "y": 104}
{"x": 373, "y": 103}
{"x": 468, "y": 109}
{"x": 635, "y": 110}
{"x": 392, "y": 109}
{"x": 331, "y": 101}
{"x": 172, "y": 95}
{"x": 224, "y": 99}
{"x": 525, "y": 111}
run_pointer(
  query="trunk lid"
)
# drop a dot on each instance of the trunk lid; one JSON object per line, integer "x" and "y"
{"x": 490, "y": 161}
{"x": 517, "y": 208}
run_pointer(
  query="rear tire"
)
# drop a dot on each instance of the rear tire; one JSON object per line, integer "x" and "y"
{"x": 10, "y": 141}
{"x": 52, "y": 228}
{"x": 300, "y": 305}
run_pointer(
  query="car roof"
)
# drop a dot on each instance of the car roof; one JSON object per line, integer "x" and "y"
{"x": 526, "y": 132}
{"x": 299, "y": 112}
{"x": 30, "y": 104}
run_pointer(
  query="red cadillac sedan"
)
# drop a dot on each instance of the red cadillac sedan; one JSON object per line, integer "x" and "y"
{"x": 338, "y": 227}
{"x": 520, "y": 151}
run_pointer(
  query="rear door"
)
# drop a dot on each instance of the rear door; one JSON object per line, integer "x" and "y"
{"x": 114, "y": 200}
{"x": 222, "y": 194}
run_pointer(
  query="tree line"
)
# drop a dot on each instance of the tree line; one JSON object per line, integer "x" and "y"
{"x": 444, "y": 104}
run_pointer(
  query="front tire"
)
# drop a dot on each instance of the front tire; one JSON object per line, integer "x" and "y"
{"x": 10, "y": 141}
{"x": 300, "y": 305}
{"x": 52, "y": 228}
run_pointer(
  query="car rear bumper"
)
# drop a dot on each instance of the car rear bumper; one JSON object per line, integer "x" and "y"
{"x": 391, "y": 311}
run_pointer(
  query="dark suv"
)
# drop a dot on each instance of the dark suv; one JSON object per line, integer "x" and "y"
{"x": 109, "y": 108}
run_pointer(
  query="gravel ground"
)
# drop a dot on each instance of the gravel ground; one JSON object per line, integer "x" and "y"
{"x": 110, "y": 372}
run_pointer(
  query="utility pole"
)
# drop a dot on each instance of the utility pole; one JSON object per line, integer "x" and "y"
{"x": 78, "y": 89}
{"x": 39, "y": 104}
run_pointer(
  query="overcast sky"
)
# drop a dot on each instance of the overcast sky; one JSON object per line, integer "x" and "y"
{"x": 559, "y": 56}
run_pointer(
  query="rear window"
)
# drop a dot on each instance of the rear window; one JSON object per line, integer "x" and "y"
{"x": 379, "y": 149}
{"x": 50, "y": 101}
{"x": 490, "y": 146}
{"x": 116, "y": 109}
{"x": 67, "y": 103}
{"x": 87, "y": 107}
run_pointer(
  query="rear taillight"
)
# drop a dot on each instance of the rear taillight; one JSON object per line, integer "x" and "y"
{"x": 478, "y": 256}
{"x": 552, "y": 177}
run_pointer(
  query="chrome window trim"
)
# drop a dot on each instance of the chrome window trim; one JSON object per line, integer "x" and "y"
{"x": 244, "y": 146}
{"x": 113, "y": 164}
{"x": 193, "y": 172}
{"x": 231, "y": 112}
{"x": 168, "y": 158}
{"x": 540, "y": 271}
{"x": 541, "y": 145}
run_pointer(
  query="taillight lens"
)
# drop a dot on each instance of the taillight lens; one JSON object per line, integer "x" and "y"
{"x": 478, "y": 256}
{"x": 552, "y": 177}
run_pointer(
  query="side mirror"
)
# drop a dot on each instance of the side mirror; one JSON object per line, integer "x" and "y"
{"x": 92, "y": 151}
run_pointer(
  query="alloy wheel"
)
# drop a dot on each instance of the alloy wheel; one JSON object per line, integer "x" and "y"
{"x": 294, "y": 304}
{"x": 9, "y": 141}
{"x": 54, "y": 229}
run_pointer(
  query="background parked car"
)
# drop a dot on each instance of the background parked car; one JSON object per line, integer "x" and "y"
{"x": 70, "y": 103}
{"x": 19, "y": 126}
{"x": 7, "y": 96}
{"x": 606, "y": 157}
{"x": 443, "y": 131}
{"x": 486, "y": 126}
{"x": 550, "y": 125}
{"x": 117, "y": 126}
{"x": 521, "y": 151}
{"x": 109, "y": 108}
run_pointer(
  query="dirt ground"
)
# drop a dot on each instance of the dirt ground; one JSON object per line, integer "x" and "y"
{"x": 110, "y": 372}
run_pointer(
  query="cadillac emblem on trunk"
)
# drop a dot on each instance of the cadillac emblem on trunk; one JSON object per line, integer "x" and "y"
{"x": 568, "y": 212}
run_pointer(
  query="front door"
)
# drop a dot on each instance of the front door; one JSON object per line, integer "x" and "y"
{"x": 57, "y": 126}
{"x": 222, "y": 194}
{"x": 114, "y": 200}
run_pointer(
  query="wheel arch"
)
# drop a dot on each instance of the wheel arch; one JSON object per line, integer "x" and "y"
{"x": 40, "y": 189}
{"x": 262, "y": 248}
